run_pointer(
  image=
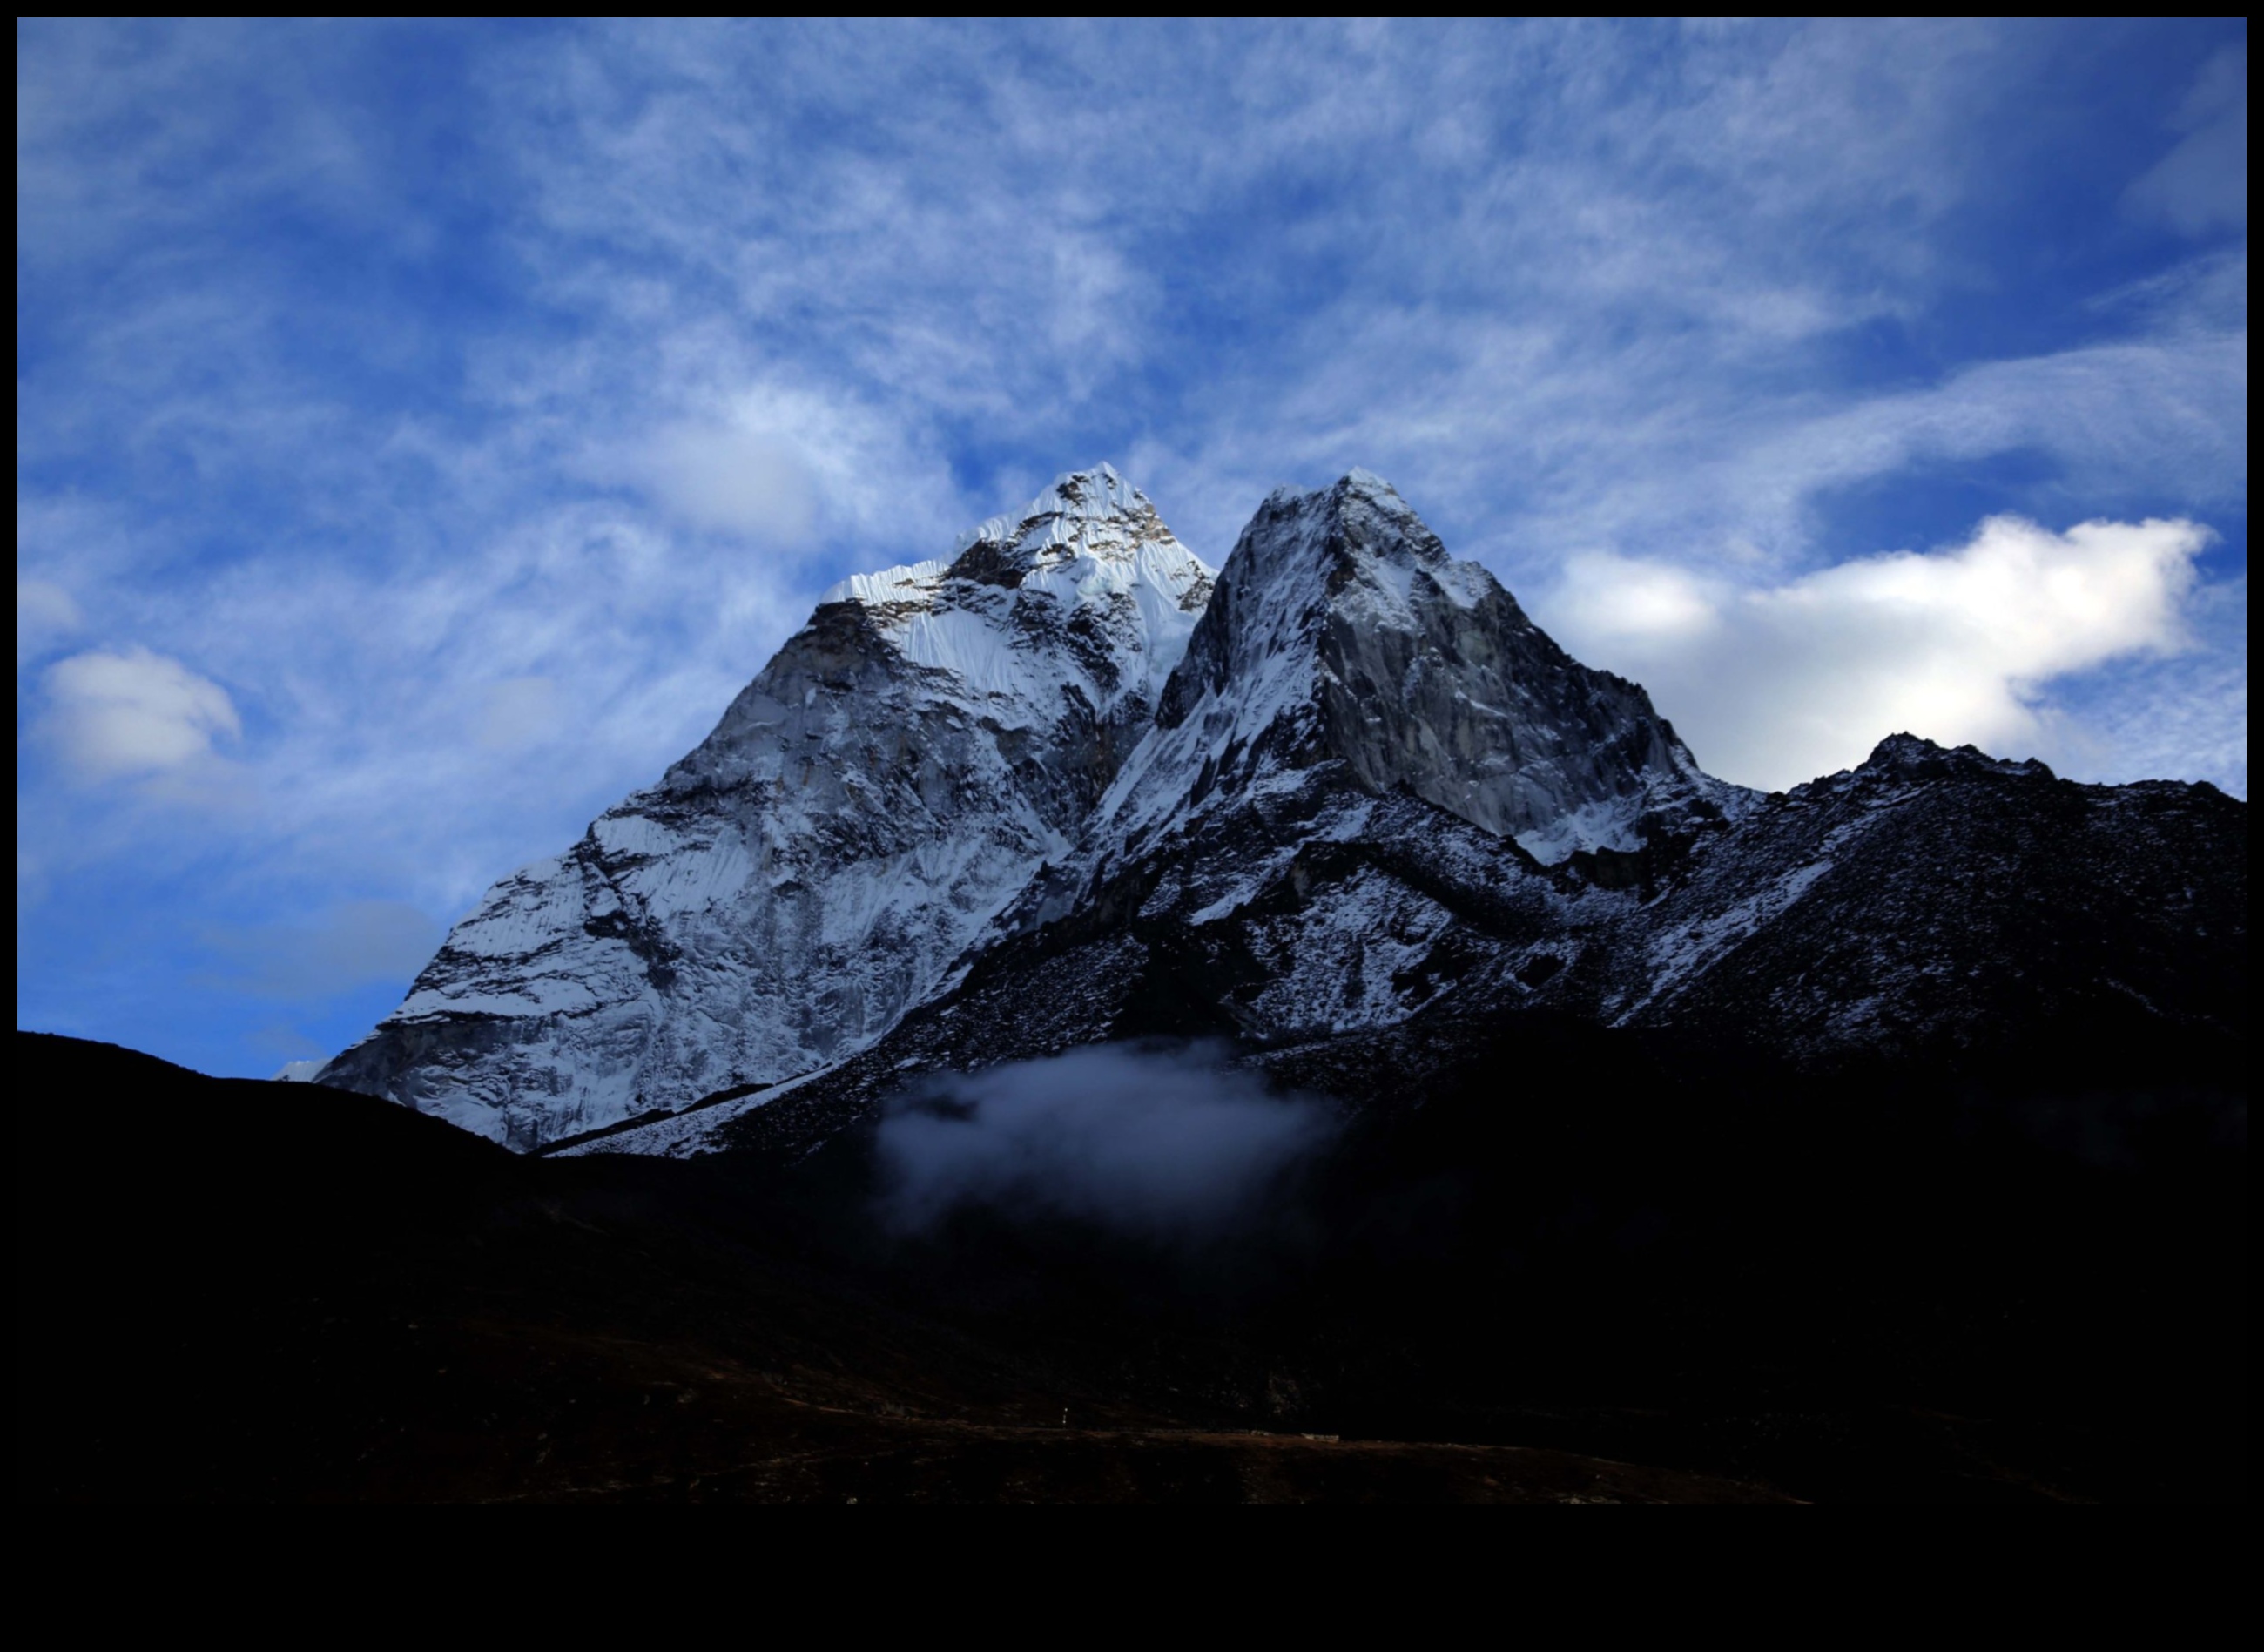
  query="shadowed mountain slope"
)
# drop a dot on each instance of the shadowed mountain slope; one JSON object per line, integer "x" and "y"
{"x": 864, "y": 807}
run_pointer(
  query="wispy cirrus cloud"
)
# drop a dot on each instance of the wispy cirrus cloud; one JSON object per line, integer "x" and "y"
{"x": 2202, "y": 184}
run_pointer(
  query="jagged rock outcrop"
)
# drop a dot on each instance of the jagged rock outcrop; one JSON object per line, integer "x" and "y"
{"x": 1345, "y": 658}
{"x": 1369, "y": 756}
{"x": 1342, "y": 631}
{"x": 863, "y": 809}
{"x": 1943, "y": 903}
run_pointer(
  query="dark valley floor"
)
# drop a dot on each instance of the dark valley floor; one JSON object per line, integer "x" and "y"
{"x": 1714, "y": 1280}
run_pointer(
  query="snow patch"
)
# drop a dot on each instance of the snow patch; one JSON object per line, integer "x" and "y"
{"x": 1680, "y": 955}
{"x": 1607, "y": 824}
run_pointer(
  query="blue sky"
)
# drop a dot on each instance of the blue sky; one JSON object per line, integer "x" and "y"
{"x": 423, "y": 431}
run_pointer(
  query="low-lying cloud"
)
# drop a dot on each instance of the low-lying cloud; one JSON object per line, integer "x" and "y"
{"x": 1776, "y": 684}
{"x": 1159, "y": 1141}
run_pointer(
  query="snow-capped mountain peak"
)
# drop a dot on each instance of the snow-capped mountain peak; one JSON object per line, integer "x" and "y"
{"x": 862, "y": 810}
{"x": 1343, "y": 634}
{"x": 1914, "y": 753}
{"x": 1086, "y": 589}
{"x": 1078, "y": 507}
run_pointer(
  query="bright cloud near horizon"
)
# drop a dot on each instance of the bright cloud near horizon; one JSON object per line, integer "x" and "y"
{"x": 423, "y": 430}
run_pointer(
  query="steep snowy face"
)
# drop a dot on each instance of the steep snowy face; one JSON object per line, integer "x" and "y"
{"x": 1053, "y": 631}
{"x": 1086, "y": 590}
{"x": 864, "y": 808}
{"x": 1343, "y": 633}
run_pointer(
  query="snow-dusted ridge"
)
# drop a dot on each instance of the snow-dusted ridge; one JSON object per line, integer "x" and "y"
{"x": 914, "y": 582}
{"x": 1934, "y": 905}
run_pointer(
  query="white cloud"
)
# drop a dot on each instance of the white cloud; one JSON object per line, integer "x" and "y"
{"x": 518, "y": 712}
{"x": 729, "y": 480}
{"x": 736, "y": 448}
{"x": 2168, "y": 409}
{"x": 135, "y": 713}
{"x": 1160, "y": 1141}
{"x": 45, "y": 615}
{"x": 1773, "y": 684}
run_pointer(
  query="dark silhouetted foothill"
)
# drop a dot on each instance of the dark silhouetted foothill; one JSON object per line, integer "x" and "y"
{"x": 1577, "y": 1265}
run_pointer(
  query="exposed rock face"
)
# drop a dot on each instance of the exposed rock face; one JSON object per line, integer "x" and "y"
{"x": 1947, "y": 904}
{"x": 865, "y": 807}
{"x": 1346, "y": 668}
{"x": 1343, "y": 658}
{"x": 1341, "y": 630}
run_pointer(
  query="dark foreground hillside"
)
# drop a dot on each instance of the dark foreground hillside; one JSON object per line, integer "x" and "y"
{"x": 1584, "y": 1269}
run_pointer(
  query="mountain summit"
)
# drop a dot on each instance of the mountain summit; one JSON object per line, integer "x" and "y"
{"x": 866, "y": 805}
{"x": 1342, "y": 635}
